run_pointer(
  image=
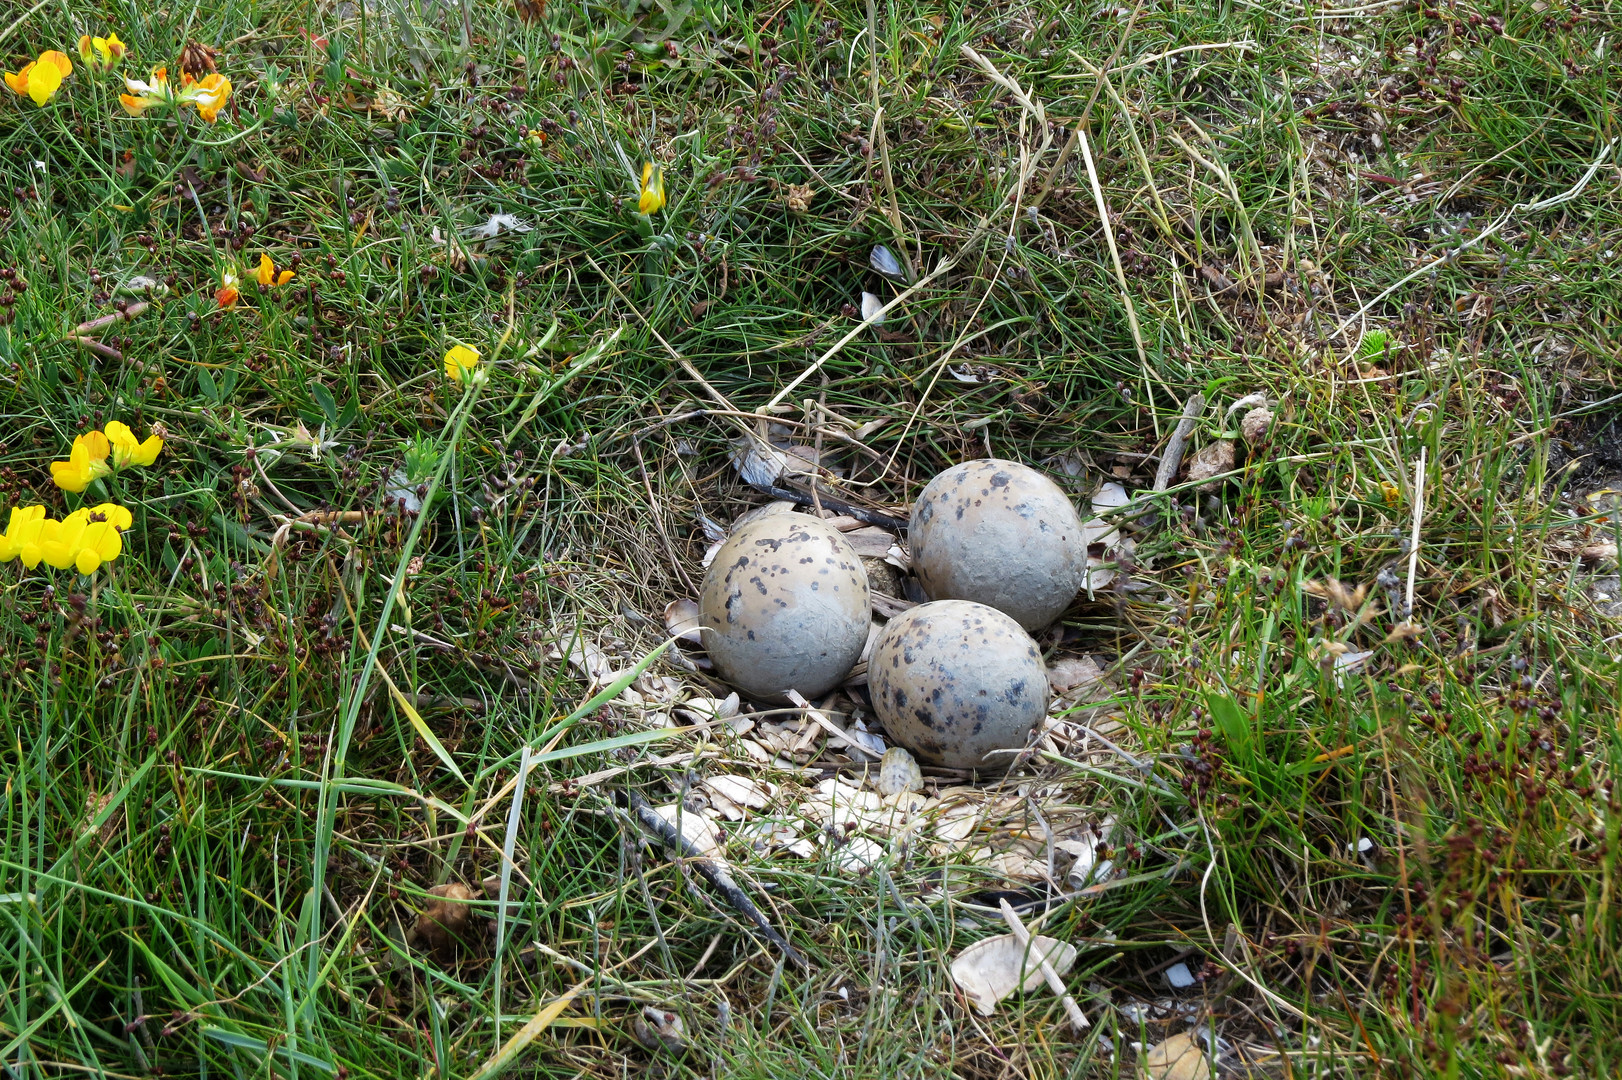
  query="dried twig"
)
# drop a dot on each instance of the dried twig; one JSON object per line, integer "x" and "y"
{"x": 711, "y": 870}
{"x": 1078, "y": 1019}
{"x": 1171, "y": 459}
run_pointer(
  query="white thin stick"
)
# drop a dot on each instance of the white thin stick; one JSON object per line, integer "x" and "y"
{"x": 1078, "y": 1019}
{"x": 1413, "y": 536}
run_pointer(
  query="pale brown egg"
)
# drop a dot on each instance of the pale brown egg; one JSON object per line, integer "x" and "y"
{"x": 785, "y": 606}
{"x": 999, "y": 533}
{"x": 955, "y": 682}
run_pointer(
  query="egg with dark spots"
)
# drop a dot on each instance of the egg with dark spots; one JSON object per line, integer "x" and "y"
{"x": 785, "y": 606}
{"x": 959, "y": 684}
{"x": 999, "y": 533}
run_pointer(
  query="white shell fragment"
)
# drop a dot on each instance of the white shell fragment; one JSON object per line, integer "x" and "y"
{"x": 785, "y": 606}
{"x": 1178, "y": 977}
{"x": 696, "y": 829}
{"x": 990, "y": 970}
{"x": 898, "y": 772}
{"x": 884, "y": 261}
{"x": 999, "y": 533}
{"x": 681, "y": 620}
{"x": 959, "y": 684}
{"x": 872, "y": 309}
{"x": 1180, "y": 1057}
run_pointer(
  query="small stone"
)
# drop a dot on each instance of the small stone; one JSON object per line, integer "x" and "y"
{"x": 898, "y": 772}
{"x": 1255, "y": 425}
{"x": 1212, "y": 460}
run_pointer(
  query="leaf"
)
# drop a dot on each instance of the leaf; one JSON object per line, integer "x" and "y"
{"x": 206, "y": 383}
{"x": 247, "y": 1042}
{"x": 498, "y": 1062}
{"x": 1180, "y": 1057}
{"x": 1232, "y": 722}
{"x": 990, "y": 970}
{"x": 325, "y": 402}
{"x": 422, "y": 728}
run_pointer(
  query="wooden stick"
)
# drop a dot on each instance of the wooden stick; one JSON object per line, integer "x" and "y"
{"x": 1172, "y": 458}
{"x": 1078, "y": 1019}
{"x": 711, "y": 870}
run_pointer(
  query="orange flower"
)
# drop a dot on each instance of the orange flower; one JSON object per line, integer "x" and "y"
{"x": 41, "y": 79}
{"x": 227, "y": 294}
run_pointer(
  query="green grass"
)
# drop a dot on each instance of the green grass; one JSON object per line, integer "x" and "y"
{"x": 218, "y": 822}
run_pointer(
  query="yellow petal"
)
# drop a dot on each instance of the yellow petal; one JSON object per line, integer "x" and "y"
{"x": 284, "y": 277}
{"x": 32, "y": 540}
{"x": 460, "y": 361}
{"x": 148, "y": 451}
{"x": 133, "y": 105}
{"x": 95, "y": 445}
{"x": 44, "y": 81}
{"x": 119, "y": 517}
{"x": 87, "y": 55}
{"x": 18, "y": 80}
{"x": 209, "y": 95}
{"x": 267, "y": 271}
{"x": 653, "y": 189}
{"x": 123, "y": 442}
{"x": 100, "y": 543}
{"x": 71, "y": 475}
{"x": 115, "y": 48}
{"x": 25, "y": 522}
{"x": 60, "y": 59}
{"x": 61, "y": 547}
{"x": 86, "y": 560}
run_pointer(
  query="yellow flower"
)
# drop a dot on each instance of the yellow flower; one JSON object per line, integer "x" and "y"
{"x": 23, "y": 530}
{"x": 267, "y": 274}
{"x": 127, "y": 450}
{"x": 209, "y": 94}
{"x": 228, "y": 293}
{"x": 87, "y": 462}
{"x": 1391, "y": 492}
{"x": 143, "y": 95}
{"x": 461, "y": 363}
{"x": 41, "y": 79}
{"x": 101, "y": 54}
{"x": 83, "y": 540}
{"x": 653, "y": 189}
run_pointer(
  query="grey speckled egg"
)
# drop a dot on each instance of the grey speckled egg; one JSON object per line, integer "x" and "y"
{"x": 953, "y": 680}
{"x": 785, "y": 606}
{"x": 1002, "y": 534}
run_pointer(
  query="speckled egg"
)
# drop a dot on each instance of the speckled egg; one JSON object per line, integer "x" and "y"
{"x": 999, "y": 533}
{"x": 953, "y": 681}
{"x": 785, "y": 606}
